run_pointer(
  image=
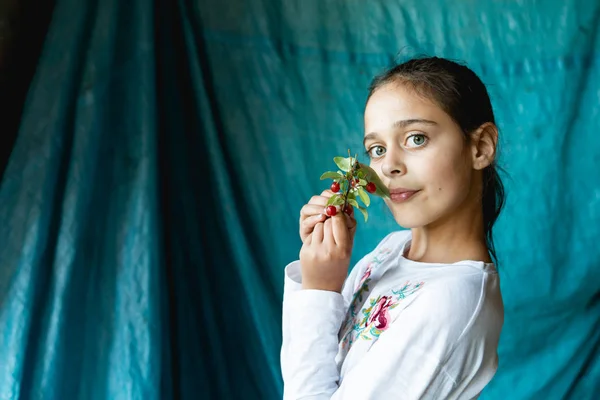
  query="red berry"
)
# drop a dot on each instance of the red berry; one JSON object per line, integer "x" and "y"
{"x": 371, "y": 187}
{"x": 349, "y": 210}
{"x": 331, "y": 211}
{"x": 335, "y": 187}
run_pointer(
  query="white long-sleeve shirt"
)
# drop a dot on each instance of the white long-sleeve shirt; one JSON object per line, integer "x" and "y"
{"x": 400, "y": 329}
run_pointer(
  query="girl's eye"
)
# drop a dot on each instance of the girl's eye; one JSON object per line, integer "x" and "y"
{"x": 376, "y": 151}
{"x": 417, "y": 140}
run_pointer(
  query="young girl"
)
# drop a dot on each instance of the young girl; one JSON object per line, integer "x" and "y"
{"x": 420, "y": 316}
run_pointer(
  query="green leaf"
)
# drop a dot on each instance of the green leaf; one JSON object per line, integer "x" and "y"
{"x": 364, "y": 197}
{"x": 364, "y": 212}
{"x": 331, "y": 175}
{"x": 362, "y": 182}
{"x": 381, "y": 191}
{"x": 375, "y": 332}
{"x": 371, "y": 176}
{"x": 344, "y": 163}
{"x": 351, "y": 196}
{"x": 353, "y": 203}
{"x": 335, "y": 200}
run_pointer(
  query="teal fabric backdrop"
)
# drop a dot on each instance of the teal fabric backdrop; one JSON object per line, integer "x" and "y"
{"x": 151, "y": 200}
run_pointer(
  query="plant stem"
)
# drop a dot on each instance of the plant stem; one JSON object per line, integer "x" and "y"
{"x": 350, "y": 181}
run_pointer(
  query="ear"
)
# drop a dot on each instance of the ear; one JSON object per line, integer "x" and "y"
{"x": 483, "y": 145}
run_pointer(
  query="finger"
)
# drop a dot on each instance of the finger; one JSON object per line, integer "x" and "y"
{"x": 314, "y": 206}
{"x": 350, "y": 222}
{"x": 328, "y": 233}
{"x": 317, "y": 235}
{"x": 320, "y": 199}
{"x": 307, "y": 226}
{"x": 311, "y": 209}
{"x": 327, "y": 193}
{"x": 352, "y": 230}
{"x": 307, "y": 240}
{"x": 341, "y": 234}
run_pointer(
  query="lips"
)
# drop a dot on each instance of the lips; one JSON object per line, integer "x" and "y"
{"x": 399, "y": 195}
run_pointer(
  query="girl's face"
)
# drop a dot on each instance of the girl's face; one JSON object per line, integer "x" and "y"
{"x": 421, "y": 154}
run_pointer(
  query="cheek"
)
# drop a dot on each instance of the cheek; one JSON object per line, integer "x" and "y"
{"x": 448, "y": 177}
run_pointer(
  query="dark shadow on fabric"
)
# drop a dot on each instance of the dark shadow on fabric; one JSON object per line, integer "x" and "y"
{"x": 242, "y": 213}
{"x": 163, "y": 39}
{"x": 204, "y": 317}
{"x": 47, "y": 272}
{"x": 28, "y": 25}
{"x": 245, "y": 221}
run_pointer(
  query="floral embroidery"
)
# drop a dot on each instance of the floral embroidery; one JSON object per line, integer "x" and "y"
{"x": 363, "y": 286}
{"x": 380, "y": 316}
{"x": 365, "y": 276}
{"x": 376, "y": 316}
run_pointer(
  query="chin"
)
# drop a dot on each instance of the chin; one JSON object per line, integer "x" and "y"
{"x": 409, "y": 223}
{"x": 407, "y": 216}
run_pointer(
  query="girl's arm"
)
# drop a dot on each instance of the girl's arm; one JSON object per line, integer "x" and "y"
{"x": 293, "y": 285}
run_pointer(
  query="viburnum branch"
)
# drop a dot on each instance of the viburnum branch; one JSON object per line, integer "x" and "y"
{"x": 352, "y": 171}
{"x": 356, "y": 176}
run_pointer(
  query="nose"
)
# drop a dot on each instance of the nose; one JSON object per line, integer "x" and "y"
{"x": 393, "y": 165}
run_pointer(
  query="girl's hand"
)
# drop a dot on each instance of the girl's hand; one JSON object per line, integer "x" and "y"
{"x": 314, "y": 212}
{"x": 325, "y": 254}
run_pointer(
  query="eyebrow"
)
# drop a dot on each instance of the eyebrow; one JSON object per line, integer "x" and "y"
{"x": 403, "y": 123}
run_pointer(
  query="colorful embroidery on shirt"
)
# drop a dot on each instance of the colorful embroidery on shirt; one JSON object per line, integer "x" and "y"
{"x": 375, "y": 317}
{"x": 363, "y": 285}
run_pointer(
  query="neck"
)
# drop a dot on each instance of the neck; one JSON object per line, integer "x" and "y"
{"x": 460, "y": 237}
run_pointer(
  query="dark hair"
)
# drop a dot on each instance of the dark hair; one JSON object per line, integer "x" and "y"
{"x": 464, "y": 97}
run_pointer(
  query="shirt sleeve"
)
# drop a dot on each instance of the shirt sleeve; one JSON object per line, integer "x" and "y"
{"x": 294, "y": 299}
{"x": 406, "y": 362}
